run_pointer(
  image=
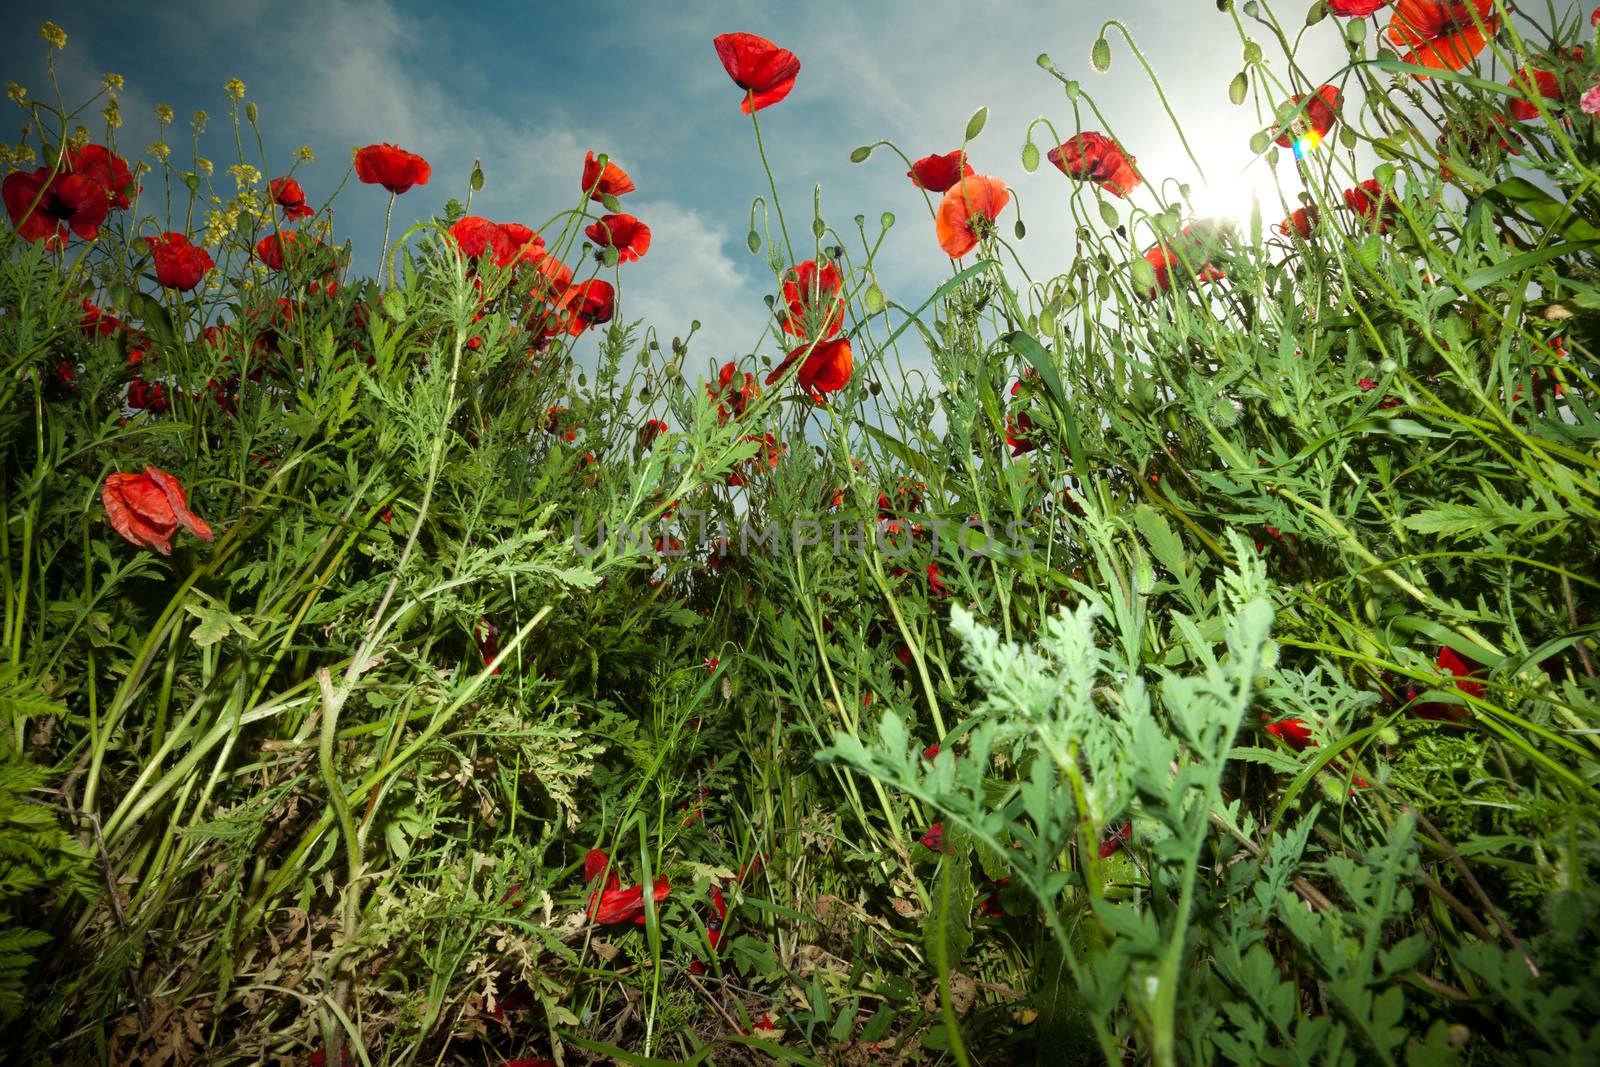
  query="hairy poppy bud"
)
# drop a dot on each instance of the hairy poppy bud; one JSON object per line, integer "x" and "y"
{"x": 1030, "y": 157}
{"x": 976, "y": 122}
{"x": 1238, "y": 87}
{"x": 860, "y": 155}
{"x": 1100, "y": 55}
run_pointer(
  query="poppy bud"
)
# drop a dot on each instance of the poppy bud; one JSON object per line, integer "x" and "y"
{"x": 1044, "y": 61}
{"x": 1317, "y": 13}
{"x": 1238, "y": 87}
{"x": 1252, "y": 52}
{"x": 859, "y": 155}
{"x": 477, "y": 175}
{"x": 1100, "y": 55}
{"x": 754, "y": 241}
{"x": 886, "y": 220}
{"x": 976, "y": 122}
{"x": 1030, "y": 157}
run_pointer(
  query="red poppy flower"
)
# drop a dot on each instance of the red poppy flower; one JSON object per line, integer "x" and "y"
{"x": 815, "y": 300}
{"x": 552, "y": 291}
{"x": 613, "y": 904}
{"x": 969, "y": 208}
{"x": 319, "y": 1058}
{"x": 1117, "y": 839}
{"x": 488, "y": 638}
{"x": 391, "y": 167}
{"x": 106, "y": 169}
{"x": 938, "y": 173}
{"x": 770, "y": 452}
{"x": 288, "y": 195}
{"x": 589, "y": 304}
{"x": 1170, "y": 261}
{"x": 629, "y": 236}
{"x": 1444, "y": 36}
{"x": 517, "y": 243}
{"x": 147, "y": 396}
{"x": 756, "y": 65}
{"x": 1449, "y": 662}
{"x": 826, "y": 368}
{"x": 936, "y": 582}
{"x": 610, "y": 180}
{"x": 1319, "y": 117}
{"x": 931, "y": 752}
{"x": 1094, "y": 157}
{"x": 557, "y": 424}
{"x": 1544, "y": 82}
{"x": 1302, "y": 220}
{"x": 933, "y": 837}
{"x": 1355, "y": 9}
{"x": 732, "y": 392}
{"x": 506, "y": 242}
{"x": 1020, "y": 434}
{"x": 179, "y": 264}
{"x": 148, "y": 508}
{"x": 1378, "y": 208}
{"x": 277, "y": 249}
{"x": 647, "y": 434}
{"x": 1296, "y": 733}
{"x": 67, "y": 201}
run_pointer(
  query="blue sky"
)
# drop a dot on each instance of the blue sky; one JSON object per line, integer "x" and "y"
{"x": 528, "y": 87}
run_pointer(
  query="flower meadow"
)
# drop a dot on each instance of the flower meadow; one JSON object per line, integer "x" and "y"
{"x": 1188, "y": 657}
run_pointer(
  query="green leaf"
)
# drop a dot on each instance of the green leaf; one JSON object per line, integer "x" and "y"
{"x": 1519, "y": 263}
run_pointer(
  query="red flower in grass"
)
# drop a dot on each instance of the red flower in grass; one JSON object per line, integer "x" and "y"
{"x": 288, "y": 195}
{"x": 733, "y": 392}
{"x": 488, "y": 638}
{"x": 756, "y": 65}
{"x": 148, "y": 508}
{"x": 1443, "y": 35}
{"x": 391, "y": 167}
{"x": 179, "y": 264}
{"x": 98, "y": 323}
{"x": 1543, "y": 82}
{"x": 43, "y": 208}
{"x": 931, "y": 752}
{"x": 826, "y": 369}
{"x": 1296, "y": 733}
{"x": 1452, "y": 664}
{"x": 933, "y": 837}
{"x": 1094, "y": 157}
{"x": 646, "y": 434}
{"x": 938, "y": 173}
{"x": 1376, "y": 206}
{"x": 319, "y": 1058}
{"x": 106, "y": 169}
{"x": 1355, "y": 9}
{"x": 1177, "y": 261}
{"x": 1021, "y": 434}
{"x": 629, "y": 236}
{"x": 815, "y": 300}
{"x": 771, "y": 450}
{"x": 1118, "y": 838}
{"x": 147, "y": 396}
{"x": 505, "y": 242}
{"x": 1302, "y": 220}
{"x": 969, "y": 209}
{"x": 590, "y": 304}
{"x": 610, "y": 904}
{"x": 1319, "y": 117}
{"x": 714, "y": 921}
{"x": 609, "y": 180}
{"x": 278, "y": 249}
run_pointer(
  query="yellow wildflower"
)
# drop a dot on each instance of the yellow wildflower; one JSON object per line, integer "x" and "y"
{"x": 304, "y": 154}
{"x": 112, "y": 114}
{"x": 163, "y": 114}
{"x": 200, "y": 120}
{"x": 54, "y": 34}
{"x": 17, "y": 93}
{"x": 112, "y": 83}
{"x": 234, "y": 88}
{"x": 159, "y": 149}
{"x": 203, "y": 165}
{"x": 244, "y": 175}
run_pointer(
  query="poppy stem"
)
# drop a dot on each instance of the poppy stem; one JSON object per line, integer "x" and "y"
{"x": 773, "y": 185}
{"x": 383, "y": 250}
